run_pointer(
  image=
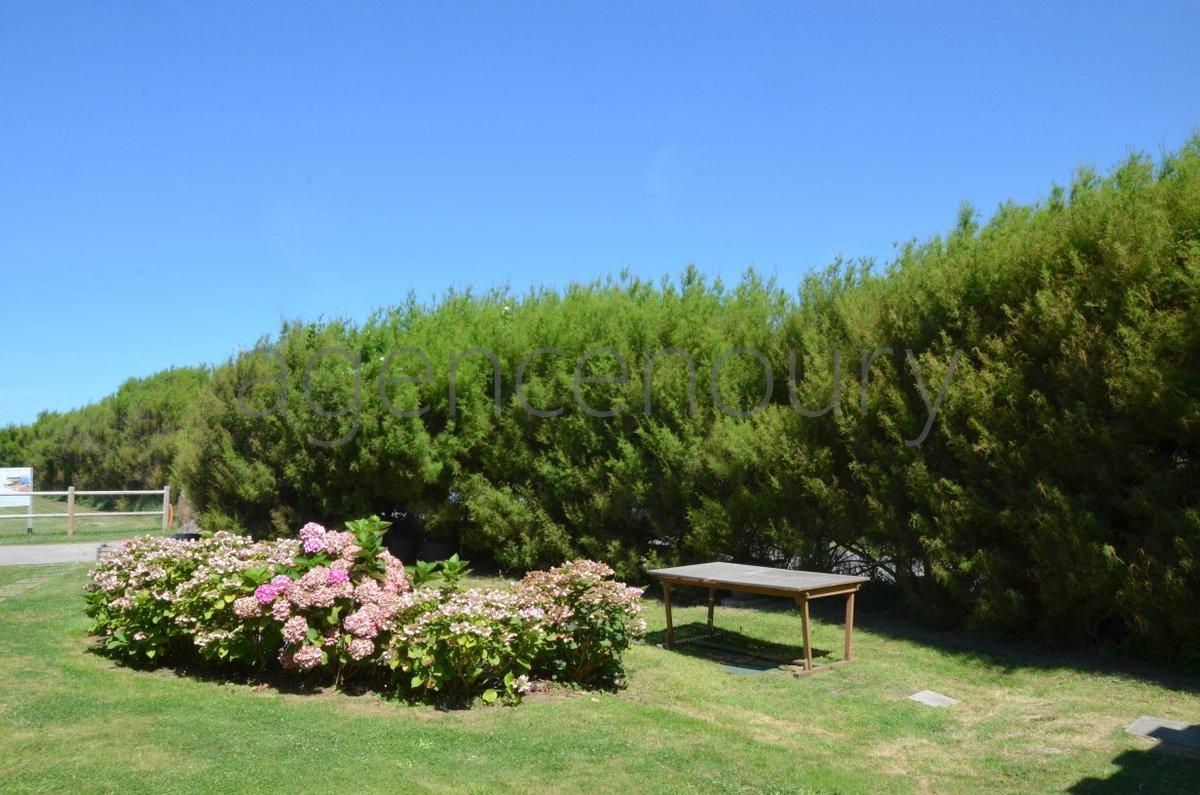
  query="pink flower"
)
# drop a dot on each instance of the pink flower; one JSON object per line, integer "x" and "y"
{"x": 266, "y": 594}
{"x": 307, "y": 657}
{"x": 336, "y": 543}
{"x": 246, "y": 607}
{"x": 360, "y": 648}
{"x": 295, "y": 629}
{"x": 313, "y": 537}
{"x": 367, "y": 591}
{"x": 361, "y": 624}
{"x": 395, "y": 577}
{"x": 281, "y": 610}
{"x": 337, "y": 577}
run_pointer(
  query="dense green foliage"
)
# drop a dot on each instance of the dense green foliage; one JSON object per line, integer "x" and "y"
{"x": 125, "y": 441}
{"x": 1058, "y": 488}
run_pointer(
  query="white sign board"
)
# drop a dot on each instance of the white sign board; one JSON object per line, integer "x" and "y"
{"x": 15, "y": 485}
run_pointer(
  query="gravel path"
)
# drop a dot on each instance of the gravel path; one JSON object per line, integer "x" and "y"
{"x": 25, "y": 554}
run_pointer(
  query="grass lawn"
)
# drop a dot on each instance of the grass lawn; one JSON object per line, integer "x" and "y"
{"x": 70, "y": 719}
{"x": 92, "y": 528}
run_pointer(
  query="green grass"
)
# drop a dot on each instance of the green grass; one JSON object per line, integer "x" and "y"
{"x": 73, "y": 720}
{"x": 97, "y": 528}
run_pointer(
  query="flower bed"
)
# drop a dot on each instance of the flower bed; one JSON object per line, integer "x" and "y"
{"x": 336, "y": 606}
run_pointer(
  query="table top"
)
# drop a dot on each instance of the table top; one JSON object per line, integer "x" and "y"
{"x": 737, "y": 576}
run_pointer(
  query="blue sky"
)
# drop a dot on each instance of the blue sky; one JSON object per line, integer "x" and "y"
{"x": 174, "y": 181}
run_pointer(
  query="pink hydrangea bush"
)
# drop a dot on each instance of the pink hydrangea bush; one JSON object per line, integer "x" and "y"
{"x": 571, "y": 623}
{"x": 215, "y": 607}
{"x": 337, "y": 604}
{"x": 227, "y": 598}
{"x": 337, "y": 609}
{"x": 131, "y": 596}
{"x": 451, "y": 646}
{"x": 589, "y": 620}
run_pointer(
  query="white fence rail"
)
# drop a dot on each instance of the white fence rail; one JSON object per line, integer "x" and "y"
{"x": 71, "y": 514}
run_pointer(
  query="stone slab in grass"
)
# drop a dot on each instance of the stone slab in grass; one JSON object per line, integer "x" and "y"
{"x": 1168, "y": 731}
{"x": 932, "y": 699}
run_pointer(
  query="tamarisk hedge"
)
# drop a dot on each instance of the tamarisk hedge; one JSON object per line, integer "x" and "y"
{"x": 1057, "y": 490}
{"x": 125, "y": 441}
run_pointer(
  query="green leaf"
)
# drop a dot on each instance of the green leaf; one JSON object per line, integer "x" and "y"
{"x": 490, "y": 695}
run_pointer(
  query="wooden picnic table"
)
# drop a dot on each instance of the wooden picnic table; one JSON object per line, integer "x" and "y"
{"x": 798, "y": 585}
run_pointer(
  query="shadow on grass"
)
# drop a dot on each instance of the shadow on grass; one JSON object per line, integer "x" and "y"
{"x": 880, "y": 610}
{"x": 279, "y": 680}
{"x": 291, "y": 682}
{"x": 729, "y": 647}
{"x": 1158, "y": 769}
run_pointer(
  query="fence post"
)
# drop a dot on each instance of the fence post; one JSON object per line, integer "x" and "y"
{"x": 70, "y": 510}
{"x": 166, "y": 508}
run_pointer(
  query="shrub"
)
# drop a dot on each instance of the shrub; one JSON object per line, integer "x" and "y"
{"x": 336, "y": 605}
{"x": 128, "y": 440}
{"x": 315, "y": 601}
{"x": 131, "y": 596}
{"x": 452, "y": 646}
{"x": 588, "y": 619}
{"x": 571, "y": 624}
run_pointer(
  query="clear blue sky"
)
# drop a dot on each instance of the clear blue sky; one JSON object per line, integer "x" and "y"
{"x": 174, "y": 181}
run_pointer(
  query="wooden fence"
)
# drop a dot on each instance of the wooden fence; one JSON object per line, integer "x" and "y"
{"x": 71, "y": 514}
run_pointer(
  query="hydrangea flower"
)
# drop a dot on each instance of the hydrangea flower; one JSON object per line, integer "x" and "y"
{"x": 361, "y": 624}
{"x": 295, "y": 629}
{"x": 281, "y": 611}
{"x": 307, "y": 657}
{"x": 312, "y": 538}
{"x": 247, "y": 607}
{"x": 266, "y": 594}
{"x": 360, "y": 649}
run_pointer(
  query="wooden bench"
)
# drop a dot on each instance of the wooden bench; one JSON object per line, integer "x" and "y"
{"x": 797, "y": 585}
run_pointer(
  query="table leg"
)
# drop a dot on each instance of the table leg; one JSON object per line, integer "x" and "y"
{"x": 712, "y": 596}
{"x": 666, "y": 586}
{"x": 807, "y": 639}
{"x": 848, "y": 651}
